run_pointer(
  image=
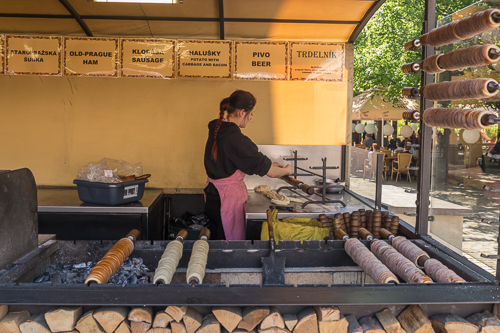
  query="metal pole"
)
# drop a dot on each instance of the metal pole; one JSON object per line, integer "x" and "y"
{"x": 424, "y": 171}
{"x": 378, "y": 180}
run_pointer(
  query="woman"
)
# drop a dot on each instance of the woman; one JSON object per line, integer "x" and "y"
{"x": 229, "y": 156}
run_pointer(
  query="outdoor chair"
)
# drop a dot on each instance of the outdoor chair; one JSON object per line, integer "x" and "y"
{"x": 361, "y": 146}
{"x": 403, "y": 161}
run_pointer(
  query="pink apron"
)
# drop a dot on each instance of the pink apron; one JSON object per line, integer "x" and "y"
{"x": 233, "y": 194}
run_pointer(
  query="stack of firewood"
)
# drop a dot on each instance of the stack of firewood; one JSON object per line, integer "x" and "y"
{"x": 184, "y": 319}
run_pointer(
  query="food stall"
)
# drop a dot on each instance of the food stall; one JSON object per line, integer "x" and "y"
{"x": 94, "y": 100}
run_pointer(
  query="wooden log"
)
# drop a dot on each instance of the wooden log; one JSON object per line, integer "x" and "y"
{"x": 176, "y": 312}
{"x": 290, "y": 320}
{"x": 414, "y": 320}
{"x": 273, "y": 319}
{"x": 228, "y": 316}
{"x": 209, "y": 325}
{"x": 139, "y": 326}
{"x": 63, "y": 319}
{"x": 496, "y": 310}
{"x": 4, "y": 309}
{"x": 124, "y": 327}
{"x": 371, "y": 325}
{"x": 141, "y": 314}
{"x": 275, "y": 330}
{"x": 252, "y": 316}
{"x": 238, "y": 330}
{"x": 327, "y": 313}
{"x": 485, "y": 321}
{"x": 450, "y": 323}
{"x": 177, "y": 327}
{"x": 389, "y": 322}
{"x": 159, "y": 330}
{"x": 354, "y": 326}
{"x": 110, "y": 317}
{"x": 336, "y": 326}
{"x": 307, "y": 321}
{"x": 192, "y": 320}
{"x": 87, "y": 324}
{"x": 10, "y": 322}
{"x": 35, "y": 324}
{"x": 162, "y": 319}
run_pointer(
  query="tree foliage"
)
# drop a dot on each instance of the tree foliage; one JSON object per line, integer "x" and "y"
{"x": 379, "y": 52}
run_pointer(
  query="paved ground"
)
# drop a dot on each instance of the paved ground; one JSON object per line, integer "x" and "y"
{"x": 464, "y": 187}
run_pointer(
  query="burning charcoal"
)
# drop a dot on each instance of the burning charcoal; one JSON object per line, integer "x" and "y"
{"x": 42, "y": 278}
{"x": 137, "y": 261}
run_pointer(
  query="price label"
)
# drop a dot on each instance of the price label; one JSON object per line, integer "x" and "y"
{"x": 108, "y": 173}
{"x": 131, "y": 191}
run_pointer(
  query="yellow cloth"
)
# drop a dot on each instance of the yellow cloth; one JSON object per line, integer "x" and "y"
{"x": 295, "y": 228}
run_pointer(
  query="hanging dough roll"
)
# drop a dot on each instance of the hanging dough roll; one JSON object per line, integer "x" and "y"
{"x": 368, "y": 262}
{"x": 113, "y": 259}
{"x": 457, "y": 118}
{"x": 462, "y": 29}
{"x": 398, "y": 263}
{"x": 170, "y": 259}
{"x": 198, "y": 261}
{"x": 410, "y": 251}
{"x": 440, "y": 273}
{"x": 458, "y": 90}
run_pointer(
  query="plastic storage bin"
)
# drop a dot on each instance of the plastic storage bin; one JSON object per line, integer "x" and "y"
{"x": 110, "y": 193}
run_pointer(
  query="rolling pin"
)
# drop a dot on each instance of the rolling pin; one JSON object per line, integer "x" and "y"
{"x": 298, "y": 184}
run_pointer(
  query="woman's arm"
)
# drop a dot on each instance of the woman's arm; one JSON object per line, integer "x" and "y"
{"x": 277, "y": 170}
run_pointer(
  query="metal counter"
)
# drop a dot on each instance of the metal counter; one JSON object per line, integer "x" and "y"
{"x": 257, "y": 204}
{"x": 61, "y": 212}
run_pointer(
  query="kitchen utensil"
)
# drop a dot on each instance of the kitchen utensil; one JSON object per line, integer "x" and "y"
{"x": 332, "y": 186}
{"x": 298, "y": 184}
{"x": 273, "y": 267}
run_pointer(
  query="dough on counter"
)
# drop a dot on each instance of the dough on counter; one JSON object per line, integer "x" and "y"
{"x": 262, "y": 188}
{"x": 276, "y": 198}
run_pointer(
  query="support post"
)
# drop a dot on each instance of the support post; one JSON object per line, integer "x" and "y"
{"x": 424, "y": 171}
{"x": 378, "y": 180}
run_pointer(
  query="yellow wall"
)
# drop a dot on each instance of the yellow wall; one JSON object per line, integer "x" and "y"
{"x": 55, "y": 125}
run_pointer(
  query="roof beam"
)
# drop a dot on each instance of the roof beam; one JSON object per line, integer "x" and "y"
{"x": 76, "y": 16}
{"x": 368, "y": 15}
{"x": 221, "y": 20}
{"x": 180, "y": 19}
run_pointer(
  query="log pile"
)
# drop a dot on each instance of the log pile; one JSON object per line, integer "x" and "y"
{"x": 261, "y": 319}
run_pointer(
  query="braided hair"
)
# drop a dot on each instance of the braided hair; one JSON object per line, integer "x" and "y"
{"x": 238, "y": 100}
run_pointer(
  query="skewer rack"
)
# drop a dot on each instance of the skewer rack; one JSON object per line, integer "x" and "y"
{"x": 322, "y": 194}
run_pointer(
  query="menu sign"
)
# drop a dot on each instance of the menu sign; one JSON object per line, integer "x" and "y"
{"x": 261, "y": 60}
{"x": 204, "y": 58}
{"x": 316, "y": 61}
{"x": 152, "y": 58}
{"x": 33, "y": 55}
{"x": 87, "y": 56}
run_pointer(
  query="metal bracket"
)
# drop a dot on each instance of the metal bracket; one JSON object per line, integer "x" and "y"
{"x": 490, "y": 223}
{"x": 490, "y": 256}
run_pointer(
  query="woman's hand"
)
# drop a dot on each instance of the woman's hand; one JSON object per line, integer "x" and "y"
{"x": 277, "y": 170}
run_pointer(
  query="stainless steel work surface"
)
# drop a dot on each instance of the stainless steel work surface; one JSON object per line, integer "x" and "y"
{"x": 257, "y": 204}
{"x": 67, "y": 201}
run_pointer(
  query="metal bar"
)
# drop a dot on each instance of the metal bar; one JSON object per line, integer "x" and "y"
{"x": 378, "y": 180}
{"x": 77, "y": 17}
{"x": 140, "y": 295}
{"x": 361, "y": 199}
{"x": 221, "y": 20}
{"x": 376, "y": 5}
{"x": 424, "y": 171}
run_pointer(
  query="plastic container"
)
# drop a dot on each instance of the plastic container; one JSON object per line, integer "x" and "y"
{"x": 111, "y": 194}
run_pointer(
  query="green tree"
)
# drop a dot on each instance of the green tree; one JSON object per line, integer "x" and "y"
{"x": 379, "y": 52}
